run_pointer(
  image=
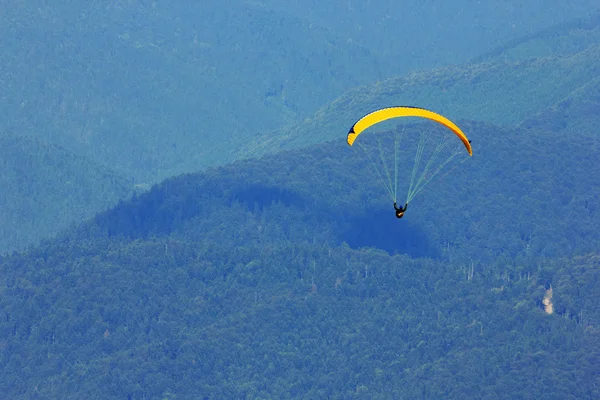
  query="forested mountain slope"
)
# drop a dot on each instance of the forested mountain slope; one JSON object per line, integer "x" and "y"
{"x": 237, "y": 282}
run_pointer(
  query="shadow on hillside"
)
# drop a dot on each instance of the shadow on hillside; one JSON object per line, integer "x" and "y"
{"x": 381, "y": 229}
{"x": 165, "y": 208}
{"x": 257, "y": 197}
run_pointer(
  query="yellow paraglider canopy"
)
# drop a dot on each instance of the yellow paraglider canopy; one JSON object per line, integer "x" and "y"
{"x": 438, "y": 152}
{"x": 404, "y": 111}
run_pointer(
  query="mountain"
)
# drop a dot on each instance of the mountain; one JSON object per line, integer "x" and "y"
{"x": 289, "y": 276}
{"x": 524, "y": 187}
{"x": 505, "y": 93}
{"x": 154, "y": 90}
{"x": 566, "y": 38}
{"x": 149, "y": 91}
{"x": 577, "y": 113}
{"x": 46, "y": 189}
{"x": 423, "y": 35}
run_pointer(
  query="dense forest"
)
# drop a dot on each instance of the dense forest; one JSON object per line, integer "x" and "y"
{"x": 172, "y": 319}
{"x": 290, "y": 277}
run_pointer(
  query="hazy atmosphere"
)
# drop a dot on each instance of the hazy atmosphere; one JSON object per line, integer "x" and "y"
{"x": 300, "y": 199}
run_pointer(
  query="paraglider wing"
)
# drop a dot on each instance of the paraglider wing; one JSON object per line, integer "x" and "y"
{"x": 405, "y": 111}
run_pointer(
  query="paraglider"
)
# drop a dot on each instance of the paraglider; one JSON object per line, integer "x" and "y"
{"x": 440, "y": 146}
{"x": 400, "y": 210}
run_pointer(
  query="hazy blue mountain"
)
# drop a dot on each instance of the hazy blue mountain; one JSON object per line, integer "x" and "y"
{"x": 150, "y": 90}
{"x": 566, "y": 38}
{"x": 45, "y": 189}
{"x": 505, "y": 93}
{"x": 428, "y": 34}
{"x": 156, "y": 89}
{"x": 127, "y": 114}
